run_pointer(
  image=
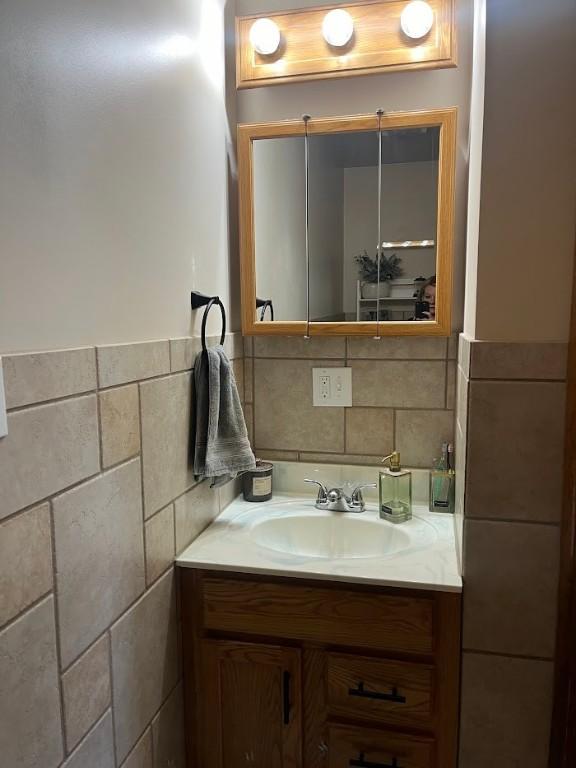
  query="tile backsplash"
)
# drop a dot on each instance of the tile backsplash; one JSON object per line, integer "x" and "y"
{"x": 403, "y": 396}
{"x": 96, "y": 498}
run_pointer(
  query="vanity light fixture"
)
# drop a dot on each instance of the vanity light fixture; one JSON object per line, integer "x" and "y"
{"x": 337, "y": 27}
{"x": 265, "y": 37}
{"x": 417, "y": 19}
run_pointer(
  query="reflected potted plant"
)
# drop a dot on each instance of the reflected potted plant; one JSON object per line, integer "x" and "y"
{"x": 390, "y": 269}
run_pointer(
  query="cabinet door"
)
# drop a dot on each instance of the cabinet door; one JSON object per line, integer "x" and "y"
{"x": 250, "y": 695}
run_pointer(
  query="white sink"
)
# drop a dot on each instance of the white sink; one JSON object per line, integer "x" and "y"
{"x": 289, "y": 537}
{"x": 330, "y": 535}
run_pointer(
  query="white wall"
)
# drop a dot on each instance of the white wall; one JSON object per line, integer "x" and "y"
{"x": 528, "y": 190}
{"x": 113, "y": 169}
{"x": 280, "y": 225}
{"x": 409, "y": 208}
{"x": 391, "y": 91}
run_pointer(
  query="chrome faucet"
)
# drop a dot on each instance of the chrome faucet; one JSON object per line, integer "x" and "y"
{"x": 335, "y": 500}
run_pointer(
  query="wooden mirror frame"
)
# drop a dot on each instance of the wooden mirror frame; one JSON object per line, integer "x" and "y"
{"x": 445, "y": 119}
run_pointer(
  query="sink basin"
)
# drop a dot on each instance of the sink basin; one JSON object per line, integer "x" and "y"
{"x": 330, "y": 535}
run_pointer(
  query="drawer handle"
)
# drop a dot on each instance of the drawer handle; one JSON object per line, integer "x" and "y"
{"x": 286, "y": 697}
{"x": 361, "y": 762}
{"x": 362, "y": 693}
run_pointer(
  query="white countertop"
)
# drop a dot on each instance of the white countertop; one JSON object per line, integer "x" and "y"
{"x": 427, "y": 561}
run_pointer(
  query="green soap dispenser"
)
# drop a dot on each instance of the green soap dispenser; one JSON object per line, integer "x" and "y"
{"x": 395, "y": 491}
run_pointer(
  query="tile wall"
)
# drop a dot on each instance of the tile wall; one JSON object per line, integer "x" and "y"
{"x": 403, "y": 395}
{"x": 509, "y": 437}
{"x": 96, "y": 498}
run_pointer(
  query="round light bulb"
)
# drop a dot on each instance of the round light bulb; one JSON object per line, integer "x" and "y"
{"x": 265, "y": 36}
{"x": 337, "y": 27}
{"x": 417, "y": 19}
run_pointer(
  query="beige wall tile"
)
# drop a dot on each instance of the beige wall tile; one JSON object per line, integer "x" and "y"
{"x": 369, "y": 431}
{"x": 460, "y": 456}
{"x": 248, "y": 380}
{"x": 99, "y": 555}
{"x": 451, "y": 385}
{"x": 340, "y": 458}
{"x": 168, "y": 733}
{"x": 25, "y": 561}
{"x": 29, "y": 698}
{"x": 506, "y": 708}
{"x": 401, "y": 348}
{"x": 248, "y": 410}
{"x": 97, "y": 749}
{"x": 464, "y": 343}
{"x": 122, "y": 363}
{"x": 141, "y": 755}
{"x": 119, "y": 424}
{"x": 453, "y": 346}
{"x": 48, "y": 448}
{"x": 229, "y": 492}
{"x": 159, "y": 537}
{"x": 500, "y": 360}
{"x": 238, "y": 368}
{"x": 399, "y": 383}
{"x": 511, "y": 588}
{"x": 183, "y": 353}
{"x": 297, "y": 346}
{"x": 86, "y": 691}
{"x": 166, "y": 451}
{"x": 144, "y": 662}
{"x": 515, "y": 450}
{"x": 33, "y": 378}
{"x": 420, "y": 434}
{"x": 193, "y": 512}
{"x": 278, "y": 455}
{"x": 248, "y": 346}
{"x": 285, "y": 418}
{"x": 462, "y": 385}
{"x": 233, "y": 345}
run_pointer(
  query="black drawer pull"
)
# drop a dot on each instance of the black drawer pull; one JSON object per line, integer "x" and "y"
{"x": 364, "y": 694}
{"x": 286, "y": 697}
{"x": 361, "y": 762}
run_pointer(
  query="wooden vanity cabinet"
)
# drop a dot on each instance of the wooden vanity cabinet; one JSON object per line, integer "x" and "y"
{"x": 286, "y": 673}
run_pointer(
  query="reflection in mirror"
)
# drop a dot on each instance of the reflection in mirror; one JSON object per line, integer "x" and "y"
{"x": 280, "y": 225}
{"x": 344, "y": 284}
{"x": 343, "y": 225}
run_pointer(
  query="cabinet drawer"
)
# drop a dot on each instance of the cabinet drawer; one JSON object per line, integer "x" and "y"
{"x": 364, "y": 748}
{"x": 333, "y": 616}
{"x": 380, "y": 690}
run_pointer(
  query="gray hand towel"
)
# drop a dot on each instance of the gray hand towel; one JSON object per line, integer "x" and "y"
{"x": 222, "y": 448}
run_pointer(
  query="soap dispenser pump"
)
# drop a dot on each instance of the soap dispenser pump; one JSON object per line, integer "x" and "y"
{"x": 395, "y": 490}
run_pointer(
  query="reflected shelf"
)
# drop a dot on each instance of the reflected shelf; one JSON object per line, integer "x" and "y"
{"x": 409, "y": 244}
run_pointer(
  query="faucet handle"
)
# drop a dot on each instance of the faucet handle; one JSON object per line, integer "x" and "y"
{"x": 357, "y": 493}
{"x": 322, "y": 490}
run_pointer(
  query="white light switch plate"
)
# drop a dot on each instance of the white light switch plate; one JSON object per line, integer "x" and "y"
{"x": 3, "y": 419}
{"x": 332, "y": 387}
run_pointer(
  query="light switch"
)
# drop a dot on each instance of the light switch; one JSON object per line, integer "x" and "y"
{"x": 332, "y": 387}
{"x": 3, "y": 418}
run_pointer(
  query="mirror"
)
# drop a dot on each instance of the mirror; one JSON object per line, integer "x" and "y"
{"x": 347, "y": 230}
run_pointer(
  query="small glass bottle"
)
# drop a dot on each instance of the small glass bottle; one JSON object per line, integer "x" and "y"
{"x": 395, "y": 491}
{"x": 442, "y": 482}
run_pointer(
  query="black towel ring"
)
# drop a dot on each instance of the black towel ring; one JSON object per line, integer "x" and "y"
{"x": 201, "y": 300}
{"x": 265, "y": 303}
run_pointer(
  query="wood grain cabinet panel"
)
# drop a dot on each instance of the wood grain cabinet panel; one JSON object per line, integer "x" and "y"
{"x": 379, "y": 689}
{"x": 286, "y": 674}
{"x": 350, "y": 747}
{"x": 334, "y": 616}
{"x": 251, "y": 712}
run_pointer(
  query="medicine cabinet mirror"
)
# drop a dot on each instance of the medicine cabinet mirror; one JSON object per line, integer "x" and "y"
{"x": 347, "y": 225}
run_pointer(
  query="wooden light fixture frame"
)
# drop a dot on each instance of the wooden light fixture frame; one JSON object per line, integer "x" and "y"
{"x": 377, "y": 45}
